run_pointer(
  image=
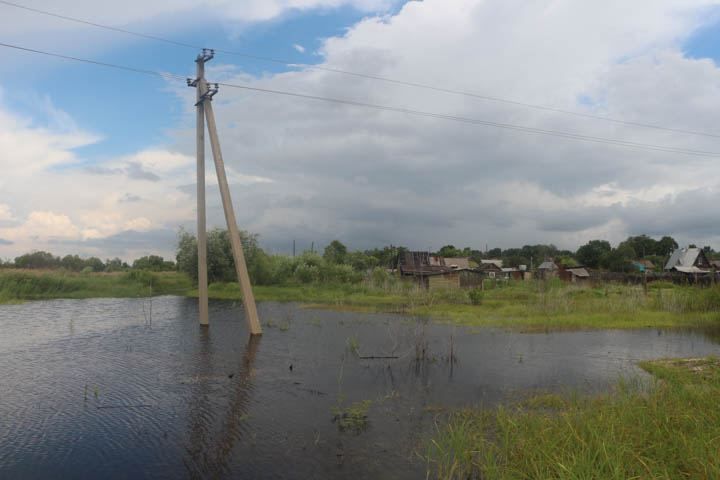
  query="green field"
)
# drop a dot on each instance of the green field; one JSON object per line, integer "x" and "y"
{"x": 669, "y": 429}
{"x": 531, "y": 305}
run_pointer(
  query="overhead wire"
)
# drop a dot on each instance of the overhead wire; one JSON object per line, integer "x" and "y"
{"x": 381, "y": 78}
{"x": 466, "y": 120}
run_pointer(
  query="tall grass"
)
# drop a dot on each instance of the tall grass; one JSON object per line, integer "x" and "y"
{"x": 669, "y": 430}
{"x": 18, "y": 285}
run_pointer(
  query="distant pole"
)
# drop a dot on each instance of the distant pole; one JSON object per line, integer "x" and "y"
{"x": 240, "y": 266}
{"x": 293, "y": 248}
{"x": 312, "y": 247}
{"x": 199, "y": 85}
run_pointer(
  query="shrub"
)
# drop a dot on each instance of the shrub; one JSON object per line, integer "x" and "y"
{"x": 476, "y": 296}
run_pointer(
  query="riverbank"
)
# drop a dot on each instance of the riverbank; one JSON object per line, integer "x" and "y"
{"x": 668, "y": 429}
{"x": 531, "y": 306}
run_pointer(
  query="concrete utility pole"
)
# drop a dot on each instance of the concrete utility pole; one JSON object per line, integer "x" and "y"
{"x": 201, "y": 224}
{"x": 205, "y": 95}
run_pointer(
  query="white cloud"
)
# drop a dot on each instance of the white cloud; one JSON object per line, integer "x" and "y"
{"x": 367, "y": 176}
{"x": 5, "y": 213}
{"x": 299, "y": 48}
{"x": 315, "y": 171}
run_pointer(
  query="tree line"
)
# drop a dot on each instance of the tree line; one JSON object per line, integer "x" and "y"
{"x": 337, "y": 263}
{"x": 75, "y": 263}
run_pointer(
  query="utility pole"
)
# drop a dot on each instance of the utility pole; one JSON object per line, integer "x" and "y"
{"x": 205, "y": 95}
{"x": 201, "y": 223}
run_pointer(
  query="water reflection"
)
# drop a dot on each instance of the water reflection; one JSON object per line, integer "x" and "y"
{"x": 210, "y": 449}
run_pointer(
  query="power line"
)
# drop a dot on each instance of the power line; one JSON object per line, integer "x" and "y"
{"x": 472, "y": 121}
{"x": 172, "y": 76}
{"x": 395, "y": 81}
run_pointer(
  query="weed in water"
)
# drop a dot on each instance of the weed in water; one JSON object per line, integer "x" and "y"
{"x": 353, "y": 418}
{"x": 353, "y": 345}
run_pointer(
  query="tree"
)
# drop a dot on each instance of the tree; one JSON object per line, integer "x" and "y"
{"x": 665, "y": 246}
{"x": 153, "y": 263}
{"x": 72, "y": 262}
{"x": 335, "y": 252}
{"x": 94, "y": 264}
{"x": 38, "y": 259}
{"x": 115, "y": 265}
{"x": 494, "y": 253}
{"x": 619, "y": 259}
{"x": 221, "y": 264}
{"x": 592, "y": 253}
{"x": 387, "y": 256}
{"x": 450, "y": 251}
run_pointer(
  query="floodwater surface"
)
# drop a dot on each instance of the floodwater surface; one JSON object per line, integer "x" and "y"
{"x": 135, "y": 388}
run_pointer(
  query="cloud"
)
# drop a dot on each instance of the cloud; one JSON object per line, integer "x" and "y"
{"x": 5, "y": 213}
{"x": 299, "y": 48}
{"x": 316, "y": 171}
{"x": 5, "y": 242}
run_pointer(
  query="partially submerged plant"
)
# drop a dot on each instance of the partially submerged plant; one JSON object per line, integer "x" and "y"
{"x": 353, "y": 418}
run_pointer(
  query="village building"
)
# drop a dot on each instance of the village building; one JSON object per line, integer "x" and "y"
{"x": 690, "y": 260}
{"x": 435, "y": 272}
{"x": 547, "y": 270}
{"x": 492, "y": 261}
{"x": 574, "y": 274}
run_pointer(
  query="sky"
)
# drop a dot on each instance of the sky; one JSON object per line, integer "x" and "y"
{"x": 101, "y": 162}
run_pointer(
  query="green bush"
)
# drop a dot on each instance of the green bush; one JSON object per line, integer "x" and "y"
{"x": 305, "y": 273}
{"x": 476, "y": 296}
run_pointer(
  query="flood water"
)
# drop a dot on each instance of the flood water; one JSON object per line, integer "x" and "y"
{"x": 134, "y": 388}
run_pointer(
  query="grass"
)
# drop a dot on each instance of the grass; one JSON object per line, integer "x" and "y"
{"x": 20, "y": 285}
{"x": 668, "y": 429}
{"x": 527, "y": 306}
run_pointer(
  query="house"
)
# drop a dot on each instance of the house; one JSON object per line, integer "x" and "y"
{"x": 433, "y": 271}
{"x": 512, "y": 273}
{"x": 497, "y": 262}
{"x": 715, "y": 264}
{"x": 490, "y": 269}
{"x": 547, "y": 270}
{"x": 574, "y": 274}
{"x": 690, "y": 260}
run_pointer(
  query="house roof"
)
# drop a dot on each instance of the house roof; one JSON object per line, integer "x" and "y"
{"x": 489, "y": 267}
{"x": 497, "y": 262}
{"x": 691, "y": 269}
{"x": 684, "y": 258}
{"x": 579, "y": 272}
{"x": 457, "y": 262}
{"x": 548, "y": 266}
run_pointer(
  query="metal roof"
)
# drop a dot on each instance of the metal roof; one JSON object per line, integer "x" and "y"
{"x": 547, "y": 266}
{"x": 579, "y": 272}
{"x": 682, "y": 258}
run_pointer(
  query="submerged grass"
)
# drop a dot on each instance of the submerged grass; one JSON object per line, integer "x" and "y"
{"x": 668, "y": 429}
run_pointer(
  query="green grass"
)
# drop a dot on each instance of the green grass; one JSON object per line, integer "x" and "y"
{"x": 668, "y": 429}
{"x": 20, "y": 285}
{"x": 527, "y": 306}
